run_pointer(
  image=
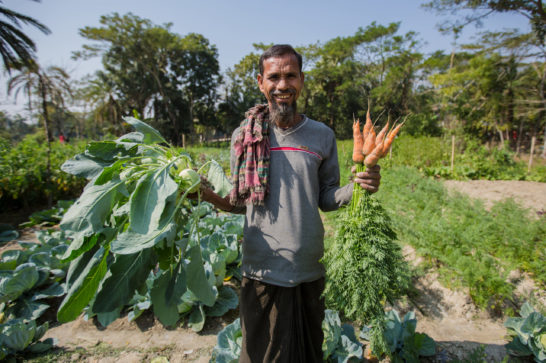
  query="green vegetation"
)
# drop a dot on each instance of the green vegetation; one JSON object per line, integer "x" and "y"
{"x": 23, "y": 172}
{"x": 365, "y": 267}
{"x": 472, "y": 159}
{"x": 138, "y": 241}
{"x": 528, "y": 334}
{"x": 340, "y": 343}
{"x": 30, "y": 278}
{"x": 471, "y": 247}
{"x": 403, "y": 343}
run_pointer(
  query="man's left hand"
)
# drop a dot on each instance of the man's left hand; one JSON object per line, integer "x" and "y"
{"x": 369, "y": 179}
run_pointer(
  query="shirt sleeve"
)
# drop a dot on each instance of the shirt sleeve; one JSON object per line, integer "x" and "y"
{"x": 332, "y": 196}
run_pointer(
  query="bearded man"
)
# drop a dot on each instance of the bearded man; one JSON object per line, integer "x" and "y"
{"x": 284, "y": 168}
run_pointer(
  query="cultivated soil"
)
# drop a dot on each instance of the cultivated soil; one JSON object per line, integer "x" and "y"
{"x": 449, "y": 317}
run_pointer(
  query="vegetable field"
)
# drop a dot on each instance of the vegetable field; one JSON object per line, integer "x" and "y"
{"x": 473, "y": 264}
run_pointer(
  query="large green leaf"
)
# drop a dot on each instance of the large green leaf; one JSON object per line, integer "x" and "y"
{"x": 109, "y": 172}
{"x": 108, "y": 150}
{"x": 107, "y": 318}
{"x": 229, "y": 343}
{"x": 16, "y": 335}
{"x": 10, "y": 259}
{"x": 218, "y": 179}
{"x": 151, "y": 135}
{"x": 167, "y": 293}
{"x": 53, "y": 290}
{"x": 78, "y": 265}
{"x": 149, "y": 199}
{"x": 198, "y": 283}
{"x": 130, "y": 242}
{"x": 84, "y": 166}
{"x": 227, "y": 300}
{"x": 87, "y": 216}
{"x": 27, "y": 309}
{"x": 128, "y": 273}
{"x": 84, "y": 288}
{"x": 196, "y": 320}
{"x": 331, "y": 326}
{"x": 15, "y": 284}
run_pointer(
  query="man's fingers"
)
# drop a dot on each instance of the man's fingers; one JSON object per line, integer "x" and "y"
{"x": 369, "y": 187}
{"x": 368, "y": 175}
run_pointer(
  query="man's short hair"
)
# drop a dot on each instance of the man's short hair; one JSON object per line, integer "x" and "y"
{"x": 276, "y": 51}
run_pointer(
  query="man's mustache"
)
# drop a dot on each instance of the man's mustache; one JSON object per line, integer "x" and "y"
{"x": 277, "y": 93}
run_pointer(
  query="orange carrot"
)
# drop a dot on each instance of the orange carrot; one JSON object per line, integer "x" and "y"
{"x": 368, "y": 125}
{"x": 374, "y": 156}
{"x": 390, "y": 138}
{"x": 381, "y": 134}
{"x": 369, "y": 144}
{"x": 358, "y": 142}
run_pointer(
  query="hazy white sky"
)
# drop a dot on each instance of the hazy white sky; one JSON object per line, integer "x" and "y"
{"x": 233, "y": 25}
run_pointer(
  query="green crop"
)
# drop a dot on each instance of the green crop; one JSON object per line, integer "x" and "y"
{"x": 138, "y": 241}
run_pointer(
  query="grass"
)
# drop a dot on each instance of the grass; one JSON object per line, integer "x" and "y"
{"x": 470, "y": 246}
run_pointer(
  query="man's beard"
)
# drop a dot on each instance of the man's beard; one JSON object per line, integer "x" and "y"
{"x": 283, "y": 113}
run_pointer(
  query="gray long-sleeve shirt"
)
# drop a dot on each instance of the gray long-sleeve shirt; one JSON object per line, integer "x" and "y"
{"x": 283, "y": 240}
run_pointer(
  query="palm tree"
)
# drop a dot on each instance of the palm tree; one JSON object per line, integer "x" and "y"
{"x": 51, "y": 87}
{"x": 15, "y": 46}
{"x": 100, "y": 93}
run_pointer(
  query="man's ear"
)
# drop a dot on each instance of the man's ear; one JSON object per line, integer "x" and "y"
{"x": 260, "y": 82}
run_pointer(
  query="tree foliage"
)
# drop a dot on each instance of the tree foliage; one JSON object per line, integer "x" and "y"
{"x": 152, "y": 71}
{"x": 531, "y": 9}
{"x": 15, "y": 46}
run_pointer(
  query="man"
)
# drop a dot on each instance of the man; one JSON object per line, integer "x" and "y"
{"x": 284, "y": 167}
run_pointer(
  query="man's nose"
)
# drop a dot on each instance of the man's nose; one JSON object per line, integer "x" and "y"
{"x": 283, "y": 84}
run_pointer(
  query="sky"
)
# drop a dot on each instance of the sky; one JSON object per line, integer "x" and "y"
{"x": 233, "y": 25}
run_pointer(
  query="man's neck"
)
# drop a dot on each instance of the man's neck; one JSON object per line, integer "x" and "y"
{"x": 291, "y": 123}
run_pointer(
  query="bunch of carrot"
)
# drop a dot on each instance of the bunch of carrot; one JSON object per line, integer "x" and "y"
{"x": 365, "y": 267}
{"x": 369, "y": 147}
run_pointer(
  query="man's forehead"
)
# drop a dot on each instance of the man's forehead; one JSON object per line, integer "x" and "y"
{"x": 281, "y": 61}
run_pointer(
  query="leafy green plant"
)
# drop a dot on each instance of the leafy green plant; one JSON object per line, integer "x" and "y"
{"x": 23, "y": 172}
{"x": 470, "y": 246}
{"x": 32, "y": 274}
{"x": 7, "y": 233}
{"x": 528, "y": 334}
{"x": 403, "y": 343}
{"x": 18, "y": 335}
{"x": 340, "y": 342}
{"x": 134, "y": 214}
{"x": 365, "y": 267}
{"x": 29, "y": 277}
{"x": 229, "y": 344}
{"x": 48, "y": 217}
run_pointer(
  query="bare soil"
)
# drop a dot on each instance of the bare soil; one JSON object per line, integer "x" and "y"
{"x": 449, "y": 317}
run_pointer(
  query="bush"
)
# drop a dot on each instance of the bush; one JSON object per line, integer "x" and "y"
{"x": 23, "y": 172}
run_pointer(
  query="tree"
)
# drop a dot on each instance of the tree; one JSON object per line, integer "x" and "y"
{"x": 99, "y": 93}
{"x": 50, "y": 87}
{"x": 532, "y": 9}
{"x": 241, "y": 90}
{"x": 15, "y": 46}
{"x": 153, "y": 70}
{"x": 14, "y": 128}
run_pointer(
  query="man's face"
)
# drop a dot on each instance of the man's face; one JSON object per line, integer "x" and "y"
{"x": 281, "y": 83}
